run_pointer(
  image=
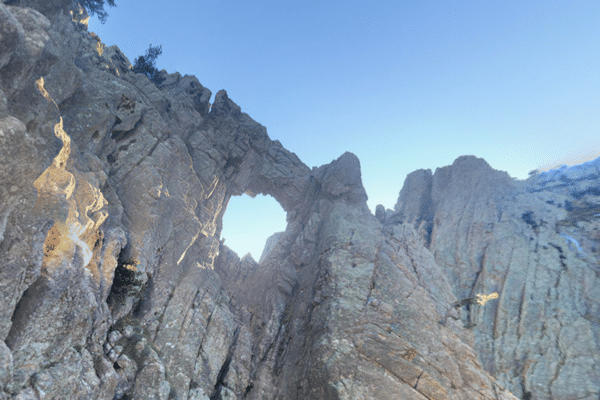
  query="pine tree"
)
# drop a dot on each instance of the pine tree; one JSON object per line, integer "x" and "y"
{"x": 146, "y": 64}
{"x": 97, "y": 7}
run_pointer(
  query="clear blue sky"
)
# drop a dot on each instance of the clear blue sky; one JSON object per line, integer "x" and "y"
{"x": 402, "y": 84}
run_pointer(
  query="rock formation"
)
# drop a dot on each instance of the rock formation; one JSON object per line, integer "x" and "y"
{"x": 114, "y": 282}
{"x": 536, "y": 243}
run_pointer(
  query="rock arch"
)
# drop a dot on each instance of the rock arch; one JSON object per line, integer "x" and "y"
{"x": 249, "y": 222}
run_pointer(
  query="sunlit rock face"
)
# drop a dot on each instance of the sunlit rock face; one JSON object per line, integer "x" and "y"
{"x": 536, "y": 243}
{"x": 115, "y": 283}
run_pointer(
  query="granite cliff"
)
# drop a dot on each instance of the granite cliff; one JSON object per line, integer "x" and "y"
{"x": 114, "y": 283}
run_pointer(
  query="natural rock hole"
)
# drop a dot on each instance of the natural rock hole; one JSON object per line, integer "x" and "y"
{"x": 248, "y": 223}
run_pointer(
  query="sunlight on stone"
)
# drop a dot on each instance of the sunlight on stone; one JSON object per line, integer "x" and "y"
{"x": 484, "y": 298}
{"x": 248, "y": 222}
{"x": 56, "y": 182}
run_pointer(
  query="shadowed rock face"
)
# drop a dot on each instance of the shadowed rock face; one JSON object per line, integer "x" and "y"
{"x": 114, "y": 282}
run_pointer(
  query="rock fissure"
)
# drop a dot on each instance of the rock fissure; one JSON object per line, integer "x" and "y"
{"x": 220, "y": 383}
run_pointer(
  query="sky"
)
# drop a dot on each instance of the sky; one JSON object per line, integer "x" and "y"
{"x": 404, "y": 85}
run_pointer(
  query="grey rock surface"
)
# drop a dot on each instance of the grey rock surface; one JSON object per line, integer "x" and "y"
{"x": 115, "y": 283}
{"x": 269, "y": 245}
{"x": 536, "y": 243}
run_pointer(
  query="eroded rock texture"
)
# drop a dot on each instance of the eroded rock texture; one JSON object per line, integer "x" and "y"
{"x": 536, "y": 243}
{"x": 114, "y": 282}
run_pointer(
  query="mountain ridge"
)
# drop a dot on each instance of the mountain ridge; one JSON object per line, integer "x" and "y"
{"x": 116, "y": 283}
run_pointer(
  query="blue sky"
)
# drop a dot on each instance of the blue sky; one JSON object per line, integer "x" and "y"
{"x": 403, "y": 85}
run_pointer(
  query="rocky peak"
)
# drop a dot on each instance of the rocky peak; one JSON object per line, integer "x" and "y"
{"x": 51, "y": 9}
{"x": 115, "y": 282}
